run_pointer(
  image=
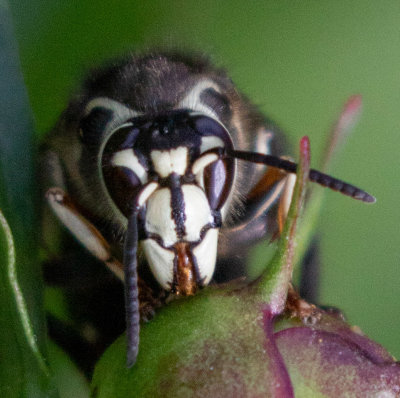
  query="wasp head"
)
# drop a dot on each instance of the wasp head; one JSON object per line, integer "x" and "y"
{"x": 170, "y": 167}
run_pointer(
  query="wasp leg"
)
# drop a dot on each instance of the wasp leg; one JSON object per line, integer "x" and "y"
{"x": 83, "y": 230}
{"x": 91, "y": 238}
{"x": 310, "y": 279}
{"x": 298, "y": 307}
{"x": 310, "y": 273}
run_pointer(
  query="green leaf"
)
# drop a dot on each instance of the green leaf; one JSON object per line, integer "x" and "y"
{"x": 69, "y": 380}
{"x": 23, "y": 368}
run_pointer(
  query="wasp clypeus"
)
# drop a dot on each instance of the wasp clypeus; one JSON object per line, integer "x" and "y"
{"x": 162, "y": 150}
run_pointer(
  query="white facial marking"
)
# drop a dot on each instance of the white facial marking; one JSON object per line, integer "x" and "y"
{"x": 158, "y": 216}
{"x": 206, "y": 254}
{"x": 121, "y": 113}
{"x": 171, "y": 161}
{"x": 126, "y": 158}
{"x": 209, "y": 142}
{"x": 203, "y": 162}
{"x": 197, "y": 211}
{"x": 192, "y": 100}
{"x": 161, "y": 262}
{"x": 146, "y": 193}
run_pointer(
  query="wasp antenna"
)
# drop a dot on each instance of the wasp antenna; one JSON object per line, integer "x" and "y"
{"x": 131, "y": 291}
{"x": 340, "y": 186}
{"x": 315, "y": 176}
{"x": 269, "y": 160}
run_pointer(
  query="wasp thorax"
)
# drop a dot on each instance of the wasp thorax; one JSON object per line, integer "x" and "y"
{"x": 171, "y": 166}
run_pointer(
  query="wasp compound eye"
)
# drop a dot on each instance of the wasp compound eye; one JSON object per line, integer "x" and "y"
{"x": 213, "y": 173}
{"x": 218, "y": 178}
{"x": 214, "y": 133}
{"x": 93, "y": 125}
{"x": 124, "y": 169}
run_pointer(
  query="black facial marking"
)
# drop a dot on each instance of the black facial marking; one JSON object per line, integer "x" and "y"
{"x": 144, "y": 234}
{"x": 173, "y": 130}
{"x": 217, "y": 219}
{"x": 218, "y": 102}
{"x": 204, "y": 231}
{"x": 177, "y": 205}
{"x": 93, "y": 125}
{"x": 199, "y": 280}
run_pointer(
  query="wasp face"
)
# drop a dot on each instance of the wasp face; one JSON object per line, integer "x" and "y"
{"x": 145, "y": 131}
{"x": 168, "y": 166}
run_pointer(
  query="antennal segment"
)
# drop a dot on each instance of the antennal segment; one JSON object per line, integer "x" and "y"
{"x": 314, "y": 175}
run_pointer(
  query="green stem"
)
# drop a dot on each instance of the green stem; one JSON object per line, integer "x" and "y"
{"x": 273, "y": 284}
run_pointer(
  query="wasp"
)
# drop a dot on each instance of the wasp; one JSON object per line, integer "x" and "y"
{"x": 161, "y": 153}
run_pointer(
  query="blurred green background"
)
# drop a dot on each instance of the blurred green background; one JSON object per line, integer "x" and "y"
{"x": 299, "y": 61}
